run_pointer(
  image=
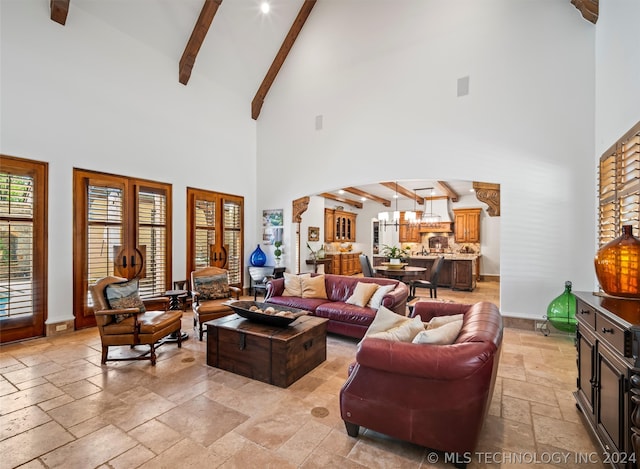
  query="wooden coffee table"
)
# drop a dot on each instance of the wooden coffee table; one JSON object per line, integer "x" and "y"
{"x": 274, "y": 355}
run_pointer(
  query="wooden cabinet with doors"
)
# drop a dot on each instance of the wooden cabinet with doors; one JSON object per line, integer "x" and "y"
{"x": 122, "y": 227}
{"x": 409, "y": 232}
{"x": 329, "y": 227}
{"x": 463, "y": 274}
{"x": 339, "y": 226}
{"x": 215, "y": 225}
{"x": 467, "y": 225}
{"x": 608, "y": 384}
{"x": 347, "y": 263}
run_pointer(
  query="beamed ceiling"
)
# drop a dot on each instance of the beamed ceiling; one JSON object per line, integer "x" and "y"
{"x": 258, "y": 34}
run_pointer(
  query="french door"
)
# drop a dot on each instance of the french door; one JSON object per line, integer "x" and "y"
{"x": 23, "y": 248}
{"x": 122, "y": 227}
{"x": 215, "y": 224}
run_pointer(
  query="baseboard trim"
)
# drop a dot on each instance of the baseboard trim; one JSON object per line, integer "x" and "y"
{"x": 59, "y": 328}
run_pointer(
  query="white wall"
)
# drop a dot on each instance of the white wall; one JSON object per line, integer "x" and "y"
{"x": 617, "y": 71}
{"x": 386, "y": 88}
{"x": 87, "y": 96}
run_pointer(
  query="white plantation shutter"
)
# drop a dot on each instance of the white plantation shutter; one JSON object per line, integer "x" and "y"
{"x": 232, "y": 220}
{"x": 152, "y": 239}
{"x": 619, "y": 187}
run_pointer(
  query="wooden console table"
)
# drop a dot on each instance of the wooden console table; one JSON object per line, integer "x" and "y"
{"x": 608, "y": 394}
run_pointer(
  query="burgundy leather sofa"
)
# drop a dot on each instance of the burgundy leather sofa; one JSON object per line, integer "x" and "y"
{"x": 344, "y": 318}
{"x": 435, "y": 396}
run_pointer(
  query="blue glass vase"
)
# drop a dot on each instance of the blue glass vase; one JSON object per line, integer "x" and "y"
{"x": 258, "y": 257}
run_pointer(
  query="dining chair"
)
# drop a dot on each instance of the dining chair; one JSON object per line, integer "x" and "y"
{"x": 367, "y": 270}
{"x": 432, "y": 283}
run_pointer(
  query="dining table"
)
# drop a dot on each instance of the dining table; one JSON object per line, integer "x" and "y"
{"x": 404, "y": 275}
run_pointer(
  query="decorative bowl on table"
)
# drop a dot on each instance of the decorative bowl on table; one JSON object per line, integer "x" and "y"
{"x": 266, "y": 313}
{"x": 394, "y": 266}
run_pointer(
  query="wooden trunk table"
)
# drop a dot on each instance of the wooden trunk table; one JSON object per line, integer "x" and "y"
{"x": 274, "y": 355}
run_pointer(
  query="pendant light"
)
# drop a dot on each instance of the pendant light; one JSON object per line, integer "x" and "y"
{"x": 411, "y": 216}
{"x": 383, "y": 217}
{"x": 429, "y": 218}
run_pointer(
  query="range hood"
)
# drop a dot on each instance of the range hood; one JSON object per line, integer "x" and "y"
{"x": 438, "y": 207}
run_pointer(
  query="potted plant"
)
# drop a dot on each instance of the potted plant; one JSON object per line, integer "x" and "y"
{"x": 396, "y": 254}
{"x": 277, "y": 252}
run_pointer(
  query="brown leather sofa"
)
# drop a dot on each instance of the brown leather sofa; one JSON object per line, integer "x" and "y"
{"x": 344, "y": 318}
{"x": 435, "y": 396}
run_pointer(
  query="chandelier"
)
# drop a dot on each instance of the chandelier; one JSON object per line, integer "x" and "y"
{"x": 393, "y": 220}
{"x": 429, "y": 218}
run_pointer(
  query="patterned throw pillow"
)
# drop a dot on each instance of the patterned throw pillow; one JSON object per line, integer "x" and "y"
{"x": 212, "y": 287}
{"x": 123, "y": 295}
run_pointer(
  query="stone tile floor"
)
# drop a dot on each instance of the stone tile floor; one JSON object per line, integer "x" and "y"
{"x": 60, "y": 408}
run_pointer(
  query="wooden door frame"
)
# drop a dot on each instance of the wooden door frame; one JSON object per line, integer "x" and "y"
{"x": 131, "y": 187}
{"x": 34, "y": 326}
{"x": 220, "y": 198}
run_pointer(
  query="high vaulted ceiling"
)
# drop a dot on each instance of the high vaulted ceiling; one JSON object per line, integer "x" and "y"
{"x": 230, "y": 42}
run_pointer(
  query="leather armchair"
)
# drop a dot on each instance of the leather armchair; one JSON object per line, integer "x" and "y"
{"x": 436, "y": 396}
{"x": 210, "y": 292}
{"x": 139, "y": 328}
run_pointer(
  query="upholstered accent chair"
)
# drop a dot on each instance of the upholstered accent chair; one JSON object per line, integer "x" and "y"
{"x": 210, "y": 292}
{"x": 123, "y": 318}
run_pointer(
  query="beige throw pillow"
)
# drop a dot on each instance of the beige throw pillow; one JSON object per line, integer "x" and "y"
{"x": 438, "y": 321}
{"x": 443, "y": 335}
{"x": 362, "y": 293}
{"x": 293, "y": 284}
{"x": 376, "y": 299}
{"x": 384, "y": 320}
{"x": 313, "y": 287}
{"x": 405, "y": 332}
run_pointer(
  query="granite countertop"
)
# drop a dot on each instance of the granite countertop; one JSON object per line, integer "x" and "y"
{"x": 451, "y": 256}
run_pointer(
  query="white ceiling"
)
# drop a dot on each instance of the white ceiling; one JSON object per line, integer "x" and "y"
{"x": 237, "y": 51}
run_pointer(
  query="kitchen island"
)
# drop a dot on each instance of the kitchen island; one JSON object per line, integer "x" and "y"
{"x": 459, "y": 271}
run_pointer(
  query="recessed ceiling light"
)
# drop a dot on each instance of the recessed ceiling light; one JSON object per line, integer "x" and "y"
{"x": 340, "y": 192}
{"x": 265, "y": 7}
{"x": 363, "y": 199}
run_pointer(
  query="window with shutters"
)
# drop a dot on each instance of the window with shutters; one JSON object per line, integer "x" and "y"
{"x": 23, "y": 227}
{"x": 215, "y": 232}
{"x": 619, "y": 187}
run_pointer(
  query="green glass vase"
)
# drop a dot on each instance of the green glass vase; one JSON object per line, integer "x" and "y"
{"x": 561, "y": 312}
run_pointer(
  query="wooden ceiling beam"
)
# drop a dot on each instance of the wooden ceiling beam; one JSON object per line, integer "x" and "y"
{"x": 344, "y": 200}
{"x": 367, "y": 195}
{"x": 409, "y": 194}
{"x": 200, "y": 30}
{"x": 588, "y": 8}
{"x": 287, "y": 44}
{"x": 59, "y": 11}
{"x": 446, "y": 188}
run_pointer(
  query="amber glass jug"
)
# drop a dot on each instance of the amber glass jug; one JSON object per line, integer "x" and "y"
{"x": 618, "y": 265}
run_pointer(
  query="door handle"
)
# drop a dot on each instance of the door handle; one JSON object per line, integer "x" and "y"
{"x": 124, "y": 261}
{"x": 133, "y": 261}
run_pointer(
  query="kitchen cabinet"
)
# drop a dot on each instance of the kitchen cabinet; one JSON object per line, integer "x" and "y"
{"x": 467, "y": 225}
{"x": 463, "y": 275}
{"x": 409, "y": 233}
{"x": 329, "y": 227}
{"x": 347, "y": 263}
{"x": 339, "y": 226}
{"x": 608, "y": 384}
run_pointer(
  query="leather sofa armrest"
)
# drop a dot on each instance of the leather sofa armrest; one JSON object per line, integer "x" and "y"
{"x": 396, "y": 297}
{"x": 275, "y": 287}
{"x": 440, "y": 362}
{"x": 428, "y": 310}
